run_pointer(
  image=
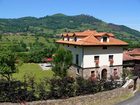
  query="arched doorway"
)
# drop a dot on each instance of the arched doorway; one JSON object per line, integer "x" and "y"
{"x": 104, "y": 74}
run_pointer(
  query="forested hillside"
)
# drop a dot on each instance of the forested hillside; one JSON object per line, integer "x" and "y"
{"x": 52, "y": 25}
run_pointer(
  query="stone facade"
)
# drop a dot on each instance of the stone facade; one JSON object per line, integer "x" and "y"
{"x": 86, "y": 72}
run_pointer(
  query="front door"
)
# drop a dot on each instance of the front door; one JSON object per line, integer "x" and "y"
{"x": 104, "y": 74}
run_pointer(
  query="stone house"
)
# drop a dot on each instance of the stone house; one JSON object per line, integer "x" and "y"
{"x": 95, "y": 54}
{"x": 131, "y": 60}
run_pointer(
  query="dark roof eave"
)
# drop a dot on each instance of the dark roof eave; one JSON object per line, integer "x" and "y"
{"x": 132, "y": 60}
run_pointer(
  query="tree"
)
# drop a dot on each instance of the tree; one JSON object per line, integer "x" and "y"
{"x": 61, "y": 62}
{"x": 7, "y": 64}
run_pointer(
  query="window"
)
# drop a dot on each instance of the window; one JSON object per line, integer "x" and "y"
{"x": 77, "y": 59}
{"x": 104, "y": 47}
{"x": 62, "y": 37}
{"x": 93, "y": 76}
{"x": 110, "y": 57}
{"x": 104, "y": 39}
{"x": 111, "y": 60}
{"x": 96, "y": 59}
{"x": 115, "y": 74}
{"x": 92, "y": 73}
{"x": 75, "y": 39}
{"x": 68, "y": 38}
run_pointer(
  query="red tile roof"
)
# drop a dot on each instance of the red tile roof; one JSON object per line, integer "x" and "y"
{"x": 80, "y": 34}
{"x": 127, "y": 57}
{"x": 135, "y": 51}
{"x": 104, "y": 34}
{"x": 131, "y": 55}
{"x": 88, "y": 33}
{"x": 91, "y": 40}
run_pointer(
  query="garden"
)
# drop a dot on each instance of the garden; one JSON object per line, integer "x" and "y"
{"x": 24, "y": 82}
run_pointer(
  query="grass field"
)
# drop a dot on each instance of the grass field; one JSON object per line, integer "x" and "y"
{"x": 32, "y": 69}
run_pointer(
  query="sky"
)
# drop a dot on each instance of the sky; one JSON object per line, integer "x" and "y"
{"x": 121, "y": 12}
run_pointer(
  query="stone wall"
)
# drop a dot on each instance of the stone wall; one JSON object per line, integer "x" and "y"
{"x": 101, "y": 98}
{"x": 104, "y": 98}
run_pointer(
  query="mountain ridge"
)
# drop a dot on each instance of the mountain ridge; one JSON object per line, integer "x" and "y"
{"x": 59, "y": 23}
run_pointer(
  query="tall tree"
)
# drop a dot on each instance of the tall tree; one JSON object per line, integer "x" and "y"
{"x": 7, "y": 64}
{"x": 61, "y": 62}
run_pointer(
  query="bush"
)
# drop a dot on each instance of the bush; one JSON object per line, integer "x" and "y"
{"x": 62, "y": 88}
{"x": 56, "y": 88}
{"x": 42, "y": 89}
{"x": 14, "y": 91}
{"x": 68, "y": 87}
{"x": 86, "y": 86}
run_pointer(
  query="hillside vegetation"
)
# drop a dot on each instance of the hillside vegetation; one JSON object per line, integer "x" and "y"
{"x": 50, "y": 26}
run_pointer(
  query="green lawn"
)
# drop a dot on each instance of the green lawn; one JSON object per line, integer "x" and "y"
{"x": 32, "y": 69}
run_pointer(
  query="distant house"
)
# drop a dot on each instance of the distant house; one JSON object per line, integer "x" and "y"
{"x": 47, "y": 60}
{"x": 95, "y": 54}
{"x": 131, "y": 60}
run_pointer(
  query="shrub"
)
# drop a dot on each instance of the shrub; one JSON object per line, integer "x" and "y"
{"x": 42, "y": 89}
{"x": 86, "y": 86}
{"x": 55, "y": 88}
{"x": 62, "y": 88}
{"x": 14, "y": 92}
{"x": 68, "y": 87}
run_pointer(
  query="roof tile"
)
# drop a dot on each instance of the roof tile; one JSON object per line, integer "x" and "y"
{"x": 91, "y": 40}
{"x": 131, "y": 55}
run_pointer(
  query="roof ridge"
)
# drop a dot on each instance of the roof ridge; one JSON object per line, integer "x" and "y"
{"x": 90, "y": 38}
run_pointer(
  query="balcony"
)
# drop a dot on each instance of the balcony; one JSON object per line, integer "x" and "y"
{"x": 111, "y": 62}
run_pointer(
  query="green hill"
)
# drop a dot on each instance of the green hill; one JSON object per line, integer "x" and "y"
{"x": 58, "y": 23}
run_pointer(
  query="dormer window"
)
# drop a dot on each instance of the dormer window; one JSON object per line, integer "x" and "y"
{"x": 68, "y": 38}
{"x": 62, "y": 38}
{"x": 105, "y": 39}
{"x": 75, "y": 39}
